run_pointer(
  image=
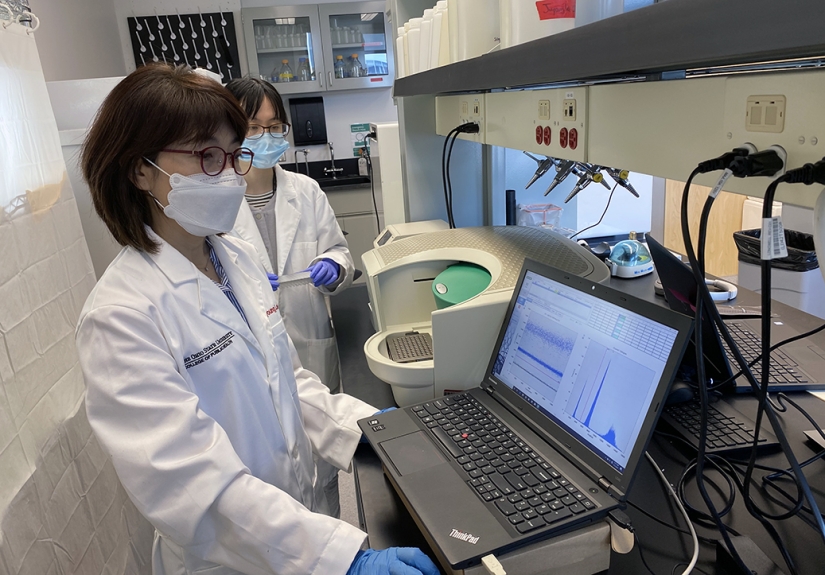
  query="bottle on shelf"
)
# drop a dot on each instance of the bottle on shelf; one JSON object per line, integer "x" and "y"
{"x": 285, "y": 73}
{"x": 340, "y": 67}
{"x": 304, "y": 74}
{"x": 355, "y": 68}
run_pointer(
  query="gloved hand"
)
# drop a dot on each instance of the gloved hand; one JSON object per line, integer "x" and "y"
{"x": 323, "y": 272}
{"x": 379, "y": 412}
{"x": 273, "y": 281}
{"x": 392, "y": 561}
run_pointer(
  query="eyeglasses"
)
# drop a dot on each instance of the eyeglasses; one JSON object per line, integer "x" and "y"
{"x": 213, "y": 159}
{"x": 254, "y": 132}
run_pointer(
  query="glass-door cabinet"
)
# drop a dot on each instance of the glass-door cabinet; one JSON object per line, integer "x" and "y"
{"x": 283, "y": 45}
{"x": 357, "y": 47}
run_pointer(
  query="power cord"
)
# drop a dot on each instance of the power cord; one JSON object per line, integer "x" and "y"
{"x": 366, "y": 152}
{"x": 466, "y": 128}
{"x": 767, "y": 163}
{"x": 672, "y": 493}
{"x": 606, "y": 207}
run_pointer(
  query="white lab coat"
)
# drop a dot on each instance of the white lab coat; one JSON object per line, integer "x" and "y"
{"x": 306, "y": 231}
{"x": 212, "y": 423}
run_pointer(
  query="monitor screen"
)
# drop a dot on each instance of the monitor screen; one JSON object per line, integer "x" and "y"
{"x": 590, "y": 366}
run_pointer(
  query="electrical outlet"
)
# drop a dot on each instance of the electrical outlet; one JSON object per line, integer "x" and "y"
{"x": 569, "y": 107}
{"x": 544, "y": 109}
{"x": 465, "y": 108}
{"x": 765, "y": 114}
{"x": 476, "y": 108}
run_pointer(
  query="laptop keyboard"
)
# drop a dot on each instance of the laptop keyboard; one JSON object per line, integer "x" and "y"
{"x": 725, "y": 433}
{"x": 783, "y": 368}
{"x": 509, "y": 476}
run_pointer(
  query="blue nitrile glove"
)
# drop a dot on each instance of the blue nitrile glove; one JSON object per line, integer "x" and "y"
{"x": 323, "y": 272}
{"x": 392, "y": 561}
{"x": 273, "y": 281}
{"x": 379, "y": 412}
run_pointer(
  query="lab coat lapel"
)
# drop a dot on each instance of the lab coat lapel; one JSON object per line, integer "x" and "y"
{"x": 287, "y": 215}
{"x": 213, "y": 303}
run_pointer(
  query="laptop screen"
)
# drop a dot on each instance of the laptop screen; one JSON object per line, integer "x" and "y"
{"x": 589, "y": 365}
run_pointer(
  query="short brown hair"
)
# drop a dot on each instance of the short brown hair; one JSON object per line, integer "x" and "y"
{"x": 153, "y": 107}
{"x": 251, "y": 92}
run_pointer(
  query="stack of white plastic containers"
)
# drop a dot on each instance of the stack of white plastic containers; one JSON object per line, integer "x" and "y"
{"x": 455, "y": 30}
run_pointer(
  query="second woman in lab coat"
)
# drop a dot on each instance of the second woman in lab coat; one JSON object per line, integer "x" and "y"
{"x": 288, "y": 219}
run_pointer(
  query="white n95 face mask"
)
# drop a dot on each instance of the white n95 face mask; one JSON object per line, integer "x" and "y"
{"x": 204, "y": 205}
{"x": 266, "y": 150}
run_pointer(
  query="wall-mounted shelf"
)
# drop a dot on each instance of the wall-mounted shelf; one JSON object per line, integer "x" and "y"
{"x": 673, "y": 35}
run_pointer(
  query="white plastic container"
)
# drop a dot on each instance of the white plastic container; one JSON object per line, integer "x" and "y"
{"x": 477, "y": 26}
{"x": 425, "y": 40}
{"x": 407, "y": 49}
{"x": 435, "y": 38}
{"x": 444, "y": 51}
{"x": 589, "y": 11}
{"x": 414, "y": 44}
{"x": 452, "y": 24}
{"x": 400, "y": 70}
{"x": 527, "y": 20}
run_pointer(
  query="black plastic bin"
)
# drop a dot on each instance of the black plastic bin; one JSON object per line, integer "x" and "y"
{"x": 801, "y": 253}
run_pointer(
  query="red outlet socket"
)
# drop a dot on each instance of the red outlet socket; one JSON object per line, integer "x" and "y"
{"x": 563, "y": 137}
{"x": 573, "y": 138}
{"x": 548, "y": 133}
{"x": 539, "y": 134}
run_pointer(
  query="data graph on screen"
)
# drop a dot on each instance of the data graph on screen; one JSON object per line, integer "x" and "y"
{"x": 543, "y": 353}
{"x": 610, "y": 394}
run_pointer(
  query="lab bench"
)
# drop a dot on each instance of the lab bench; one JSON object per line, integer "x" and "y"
{"x": 384, "y": 517}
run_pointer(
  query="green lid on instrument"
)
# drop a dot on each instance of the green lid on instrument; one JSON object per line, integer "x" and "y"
{"x": 458, "y": 283}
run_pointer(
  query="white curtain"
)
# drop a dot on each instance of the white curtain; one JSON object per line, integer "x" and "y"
{"x": 62, "y": 509}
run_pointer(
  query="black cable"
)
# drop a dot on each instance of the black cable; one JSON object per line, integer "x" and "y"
{"x": 444, "y": 177}
{"x": 466, "y": 128}
{"x": 610, "y": 197}
{"x": 372, "y": 181}
{"x": 449, "y": 182}
{"x": 700, "y": 371}
{"x": 695, "y": 568}
{"x": 704, "y": 298}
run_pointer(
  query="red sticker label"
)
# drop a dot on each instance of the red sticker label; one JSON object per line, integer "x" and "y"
{"x": 376, "y": 79}
{"x": 552, "y": 9}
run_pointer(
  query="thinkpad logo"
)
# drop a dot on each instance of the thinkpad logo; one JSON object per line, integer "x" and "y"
{"x": 468, "y": 537}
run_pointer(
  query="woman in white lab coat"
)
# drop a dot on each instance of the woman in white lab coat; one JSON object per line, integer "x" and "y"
{"x": 193, "y": 386}
{"x": 287, "y": 217}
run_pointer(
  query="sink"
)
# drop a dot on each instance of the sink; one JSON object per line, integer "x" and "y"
{"x": 354, "y": 180}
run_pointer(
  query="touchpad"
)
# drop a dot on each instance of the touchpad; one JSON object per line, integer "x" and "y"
{"x": 413, "y": 452}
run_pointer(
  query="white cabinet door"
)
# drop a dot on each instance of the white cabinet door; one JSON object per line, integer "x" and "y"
{"x": 283, "y": 45}
{"x": 357, "y": 47}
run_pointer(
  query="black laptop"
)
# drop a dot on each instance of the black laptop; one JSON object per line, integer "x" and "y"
{"x": 552, "y": 438}
{"x": 793, "y": 366}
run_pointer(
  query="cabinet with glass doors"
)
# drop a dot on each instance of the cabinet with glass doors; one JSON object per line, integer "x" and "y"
{"x": 315, "y": 48}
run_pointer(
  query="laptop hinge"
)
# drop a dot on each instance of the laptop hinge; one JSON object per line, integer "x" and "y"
{"x": 605, "y": 484}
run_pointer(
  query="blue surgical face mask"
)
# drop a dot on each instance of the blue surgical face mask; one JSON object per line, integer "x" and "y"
{"x": 268, "y": 149}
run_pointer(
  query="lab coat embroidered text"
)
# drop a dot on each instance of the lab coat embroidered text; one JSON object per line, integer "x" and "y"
{"x": 209, "y": 351}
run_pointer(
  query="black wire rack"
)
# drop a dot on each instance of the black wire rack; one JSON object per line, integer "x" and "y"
{"x": 201, "y": 40}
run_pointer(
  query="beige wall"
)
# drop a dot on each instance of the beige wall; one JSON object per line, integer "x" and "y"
{"x": 725, "y": 218}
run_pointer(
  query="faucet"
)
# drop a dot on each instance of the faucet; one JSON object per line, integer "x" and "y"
{"x": 305, "y": 152}
{"x": 333, "y": 170}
